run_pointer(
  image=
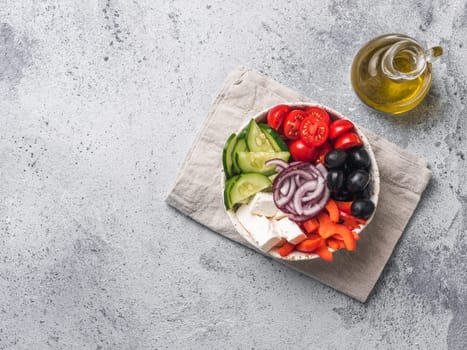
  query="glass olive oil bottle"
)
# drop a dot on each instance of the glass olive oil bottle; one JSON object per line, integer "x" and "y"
{"x": 392, "y": 73}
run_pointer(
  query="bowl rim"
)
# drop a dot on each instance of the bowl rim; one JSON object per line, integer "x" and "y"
{"x": 374, "y": 180}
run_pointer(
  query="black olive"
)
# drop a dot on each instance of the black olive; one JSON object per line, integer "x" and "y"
{"x": 359, "y": 159}
{"x": 335, "y": 158}
{"x": 335, "y": 180}
{"x": 366, "y": 193}
{"x": 362, "y": 208}
{"x": 357, "y": 180}
{"x": 343, "y": 196}
{"x": 347, "y": 168}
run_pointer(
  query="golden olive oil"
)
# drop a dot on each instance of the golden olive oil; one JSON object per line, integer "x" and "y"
{"x": 392, "y": 73}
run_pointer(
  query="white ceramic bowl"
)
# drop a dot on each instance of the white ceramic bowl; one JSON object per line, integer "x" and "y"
{"x": 374, "y": 182}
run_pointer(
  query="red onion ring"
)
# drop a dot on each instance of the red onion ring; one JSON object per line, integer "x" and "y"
{"x": 300, "y": 189}
{"x": 285, "y": 187}
{"x": 279, "y": 163}
{"x": 284, "y": 200}
{"x": 315, "y": 194}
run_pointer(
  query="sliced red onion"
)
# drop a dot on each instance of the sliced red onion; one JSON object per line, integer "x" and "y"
{"x": 316, "y": 208}
{"x": 281, "y": 201}
{"x": 298, "y": 218}
{"x": 298, "y": 163}
{"x": 284, "y": 175}
{"x": 279, "y": 163}
{"x": 322, "y": 169}
{"x": 303, "y": 174}
{"x": 311, "y": 169}
{"x": 316, "y": 193}
{"x": 311, "y": 203}
{"x": 313, "y": 184}
{"x": 300, "y": 190}
{"x": 298, "y": 180}
{"x": 289, "y": 207}
{"x": 285, "y": 187}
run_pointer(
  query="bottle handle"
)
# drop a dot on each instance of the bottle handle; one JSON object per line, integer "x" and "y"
{"x": 433, "y": 54}
{"x": 414, "y": 53}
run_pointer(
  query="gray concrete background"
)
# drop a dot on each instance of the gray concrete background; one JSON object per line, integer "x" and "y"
{"x": 99, "y": 103}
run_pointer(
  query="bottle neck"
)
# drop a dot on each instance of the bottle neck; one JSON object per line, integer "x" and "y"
{"x": 404, "y": 60}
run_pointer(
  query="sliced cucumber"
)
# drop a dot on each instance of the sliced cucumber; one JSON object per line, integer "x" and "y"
{"x": 227, "y": 155}
{"x": 273, "y": 137}
{"x": 228, "y": 185}
{"x": 243, "y": 186}
{"x": 257, "y": 140}
{"x": 240, "y": 146}
{"x": 242, "y": 134}
{"x": 253, "y": 162}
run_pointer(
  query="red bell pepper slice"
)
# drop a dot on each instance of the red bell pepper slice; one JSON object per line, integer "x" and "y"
{"x": 344, "y": 206}
{"x": 333, "y": 210}
{"x": 311, "y": 225}
{"x": 330, "y": 229}
{"x": 313, "y": 235}
{"x": 345, "y": 216}
{"x": 351, "y": 221}
{"x": 323, "y": 217}
{"x": 335, "y": 243}
{"x": 309, "y": 245}
{"x": 324, "y": 253}
{"x": 286, "y": 249}
{"x": 350, "y": 226}
{"x": 356, "y": 236}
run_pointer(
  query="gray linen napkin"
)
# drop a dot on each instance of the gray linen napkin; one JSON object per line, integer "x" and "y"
{"x": 197, "y": 192}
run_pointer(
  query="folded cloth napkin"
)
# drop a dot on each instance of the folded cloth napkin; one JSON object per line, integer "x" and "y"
{"x": 198, "y": 194}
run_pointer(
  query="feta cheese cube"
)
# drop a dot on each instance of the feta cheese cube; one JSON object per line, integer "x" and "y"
{"x": 263, "y": 204}
{"x": 279, "y": 215}
{"x": 289, "y": 230}
{"x": 259, "y": 228}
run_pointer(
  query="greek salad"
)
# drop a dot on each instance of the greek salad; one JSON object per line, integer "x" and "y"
{"x": 300, "y": 182}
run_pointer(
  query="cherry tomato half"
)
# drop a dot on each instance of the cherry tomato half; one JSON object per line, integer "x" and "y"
{"x": 348, "y": 140}
{"x": 313, "y": 132}
{"x": 292, "y": 123}
{"x": 300, "y": 151}
{"x": 339, "y": 127}
{"x": 324, "y": 149}
{"x": 276, "y": 116}
{"x": 319, "y": 114}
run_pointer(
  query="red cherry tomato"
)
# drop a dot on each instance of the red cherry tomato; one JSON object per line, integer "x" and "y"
{"x": 348, "y": 140}
{"x": 276, "y": 116}
{"x": 318, "y": 114}
{"x": 324, "y": 149}
{"x": 313, "y": 132}
{"x": 292, "y": 123}
{"x": 300, "y": 151}
{"x": 339, "y": 127}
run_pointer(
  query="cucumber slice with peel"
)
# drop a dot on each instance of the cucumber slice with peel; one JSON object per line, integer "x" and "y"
{"x": 240, "y": 146}
{"x": 228, "y": 185}
{"x": 227, "y": 155}
{"x": 273, "y": 137}
{"x": 257, "y": 140}
{"x": 254, "y": 162}
{"x": 243, "y": 186}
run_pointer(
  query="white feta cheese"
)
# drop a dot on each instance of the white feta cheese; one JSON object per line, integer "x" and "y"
{"x": 259, "y": 228}
{"x": 289, "y": 230}
{"x": 263, "y": 204}
{"x": 279, "y": 215}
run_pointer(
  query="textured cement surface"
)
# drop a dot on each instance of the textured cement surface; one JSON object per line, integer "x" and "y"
{"x": 99, "y": 103}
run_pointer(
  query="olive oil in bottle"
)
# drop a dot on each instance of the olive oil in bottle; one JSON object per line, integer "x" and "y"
{"x": 392, "y": 73}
